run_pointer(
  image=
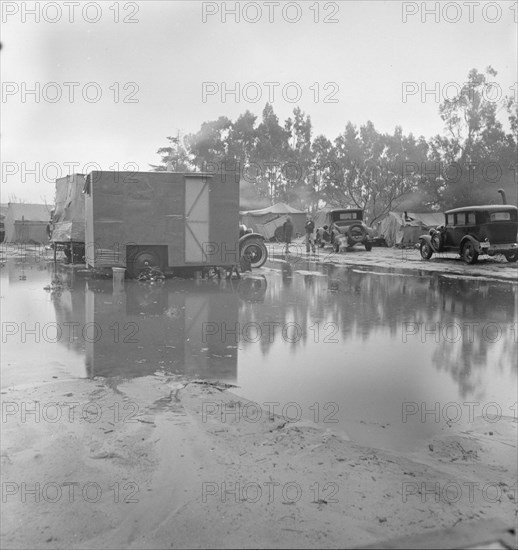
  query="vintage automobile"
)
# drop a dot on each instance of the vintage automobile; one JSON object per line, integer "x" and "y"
{"x": 475, "y": 230}
{"x": 344, "y": 229}
{"x": 252, "y": 247}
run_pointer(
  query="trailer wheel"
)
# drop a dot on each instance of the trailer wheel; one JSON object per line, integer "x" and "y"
{"x": 142, "y": 261}
{"x": 255, "y": 251}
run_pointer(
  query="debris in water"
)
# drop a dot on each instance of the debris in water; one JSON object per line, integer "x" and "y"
{"x": 218, "y": 385}
{"x": 151, "y": 275}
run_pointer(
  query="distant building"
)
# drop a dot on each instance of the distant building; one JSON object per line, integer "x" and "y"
{"x": 27, "y": 223}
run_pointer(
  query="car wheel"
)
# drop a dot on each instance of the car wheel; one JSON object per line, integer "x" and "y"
{"x": 368, "y": 247}
{"x": 255, "y": 251}
{"x": 426, "y": 250}
{"x": 511, "y": 256}
{"x": 469, "y": 254}
{"x": 437, "y": 240}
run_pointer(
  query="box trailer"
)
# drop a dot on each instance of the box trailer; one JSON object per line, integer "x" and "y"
{"x": 166, "y": 220}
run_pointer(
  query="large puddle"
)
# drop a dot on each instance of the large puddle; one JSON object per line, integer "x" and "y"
{"x": 388, "y": 359}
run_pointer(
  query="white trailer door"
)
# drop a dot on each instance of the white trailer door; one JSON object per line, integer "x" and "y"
{"x": 196, "y": 219}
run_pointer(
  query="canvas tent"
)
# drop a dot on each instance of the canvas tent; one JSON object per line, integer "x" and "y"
{"x": 320, "y": 217}
{"x": 26, "y": 223}
{"x": 405, "y": 228}
{"x": 266, "y": 220}
{"x": 68, "y": 219}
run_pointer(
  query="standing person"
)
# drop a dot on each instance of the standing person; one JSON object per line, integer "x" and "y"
{"x": 288, "y": 232}
{"x": 310, "y": 239}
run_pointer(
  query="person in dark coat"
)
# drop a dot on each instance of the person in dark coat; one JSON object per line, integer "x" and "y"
{"x": 288, "y": 231}
{"x": 310, "y": 238}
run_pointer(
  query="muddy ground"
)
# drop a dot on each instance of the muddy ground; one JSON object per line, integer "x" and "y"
{"x": 164, "y": 462}
{"x": 400, "y": 260}
{"x": 153, "y": 464}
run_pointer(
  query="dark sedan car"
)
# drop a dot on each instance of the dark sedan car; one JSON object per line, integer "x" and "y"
{"x": 344, "y": 229}
{"x": 475, "y": 230}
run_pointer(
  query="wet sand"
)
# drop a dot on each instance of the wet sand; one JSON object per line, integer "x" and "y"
{"x": 152, "y": 463}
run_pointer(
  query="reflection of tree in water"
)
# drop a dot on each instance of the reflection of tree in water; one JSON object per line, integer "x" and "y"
{"x": 359, "y": 304}
{"x": 355, "y": 303}
{"x": 364, "y": 303}
{"x": 493, "y": 307}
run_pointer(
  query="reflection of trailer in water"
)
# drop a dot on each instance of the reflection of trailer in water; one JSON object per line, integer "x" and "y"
{"x": 161, "y": 219}
{"x": 170, "y": 327}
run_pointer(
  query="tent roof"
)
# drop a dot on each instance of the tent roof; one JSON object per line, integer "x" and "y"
{"x": 30, "y": 212}
{"x": 430, "y": 219}
{"x": 279, "y": 208}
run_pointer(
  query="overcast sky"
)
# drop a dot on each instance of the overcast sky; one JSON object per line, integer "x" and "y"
{"x": 139, "y": 70}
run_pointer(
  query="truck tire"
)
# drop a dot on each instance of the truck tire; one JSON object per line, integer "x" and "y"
{"x": 255, "y": 251}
